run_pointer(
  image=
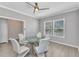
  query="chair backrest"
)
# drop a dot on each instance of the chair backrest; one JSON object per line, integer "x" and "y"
{"x": 21, "y": 37}
{"x": 43, "y": 45}
{"x": 15, "y": 45}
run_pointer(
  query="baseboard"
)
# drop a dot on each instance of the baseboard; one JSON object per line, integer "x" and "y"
{"x": 4, "y": 42}
{"x": 65, "y": 44}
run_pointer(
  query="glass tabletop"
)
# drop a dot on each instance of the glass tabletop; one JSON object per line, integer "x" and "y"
{"x": 32, "y": 39}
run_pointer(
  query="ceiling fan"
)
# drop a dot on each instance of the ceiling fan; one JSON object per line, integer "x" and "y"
{"x": 36, "y": 7}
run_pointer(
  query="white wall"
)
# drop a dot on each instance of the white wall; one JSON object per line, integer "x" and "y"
{"x": 30, "y": 27}
{"x": 71, "y": 28}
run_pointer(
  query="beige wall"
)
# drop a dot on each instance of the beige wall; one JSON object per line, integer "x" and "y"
{"x": 14, "y": 28}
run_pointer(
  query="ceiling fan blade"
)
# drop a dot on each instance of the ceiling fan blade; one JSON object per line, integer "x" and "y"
{"x": 44, "y": 9}
{"x": 30, "y": 4}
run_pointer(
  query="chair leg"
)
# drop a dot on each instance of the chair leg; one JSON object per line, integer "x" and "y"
{"x": 45, "y": 53}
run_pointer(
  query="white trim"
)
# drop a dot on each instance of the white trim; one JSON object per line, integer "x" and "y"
{"x": 63, "y": 28}
{"x": 4, "y": 41}
{"x": 65, "y": 44}
{"x": 22, "y": 13}
{"x": 10, "y": 18}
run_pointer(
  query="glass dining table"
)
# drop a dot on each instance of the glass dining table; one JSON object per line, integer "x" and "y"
{"x": 33, "y": 41}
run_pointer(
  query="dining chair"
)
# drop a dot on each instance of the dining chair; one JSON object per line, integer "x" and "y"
{"x": 42, "y": 49}
{"x": 20, "y": 50}
{"x": 21, "y": 39}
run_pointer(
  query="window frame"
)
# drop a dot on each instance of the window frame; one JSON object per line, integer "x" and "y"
{"x": 63, "y": 28}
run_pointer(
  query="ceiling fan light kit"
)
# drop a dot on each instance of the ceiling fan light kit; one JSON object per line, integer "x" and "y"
{"x": 36, "y": 10}
{"x": 36, "y": 7}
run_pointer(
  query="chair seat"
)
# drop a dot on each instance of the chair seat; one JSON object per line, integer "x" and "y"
{"x": 42, "y": 48}
{"x": 23, "y": 49}
{"x": 36, "y": 49}
{"x": 39, "y": 53}
{"x": 23, "y": 42}
{"x": 20, "y": 50}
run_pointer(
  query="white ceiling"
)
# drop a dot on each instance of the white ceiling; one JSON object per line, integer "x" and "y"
{"x": 26, "y": 9}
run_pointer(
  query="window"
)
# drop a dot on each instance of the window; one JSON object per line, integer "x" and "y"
{"x": 48, "y": 26}
{"x": 54, "y": 28}
{"x": 58, "y": 28}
